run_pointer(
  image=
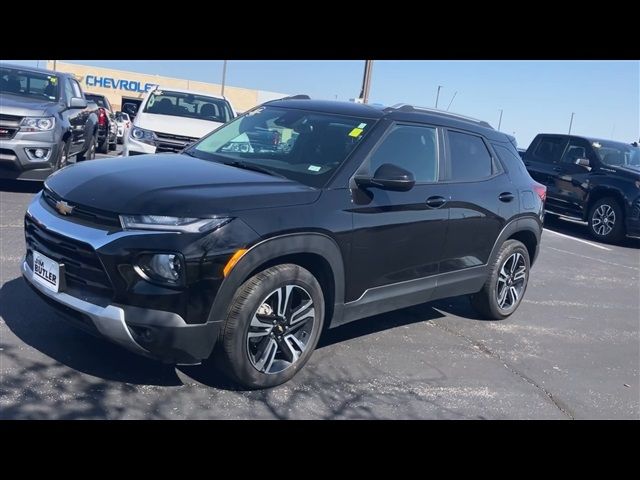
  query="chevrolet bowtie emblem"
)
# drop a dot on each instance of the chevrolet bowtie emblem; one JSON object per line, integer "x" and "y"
{"x": 64, "y": 208}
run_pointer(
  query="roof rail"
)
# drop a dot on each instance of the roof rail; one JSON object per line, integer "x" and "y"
{"x": 405, "y": 107}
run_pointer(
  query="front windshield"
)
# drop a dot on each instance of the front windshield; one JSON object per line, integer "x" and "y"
{"x": 617, "y": 154}
{"x": 179, "y": 104}
{"x": 29, "y": 84}
{"x": 301, "y": 145}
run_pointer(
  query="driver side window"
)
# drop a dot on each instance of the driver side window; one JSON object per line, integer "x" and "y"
{"x": 413, "y": 148}
{"x": 68, "y": 90}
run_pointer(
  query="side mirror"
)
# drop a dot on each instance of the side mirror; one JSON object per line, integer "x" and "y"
{"x": 388, "y": 177}
{"x": 583, "y": 162}
{"x": 77, "y": 102}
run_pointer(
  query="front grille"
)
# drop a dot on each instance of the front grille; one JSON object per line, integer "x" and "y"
{"x": 7, "y": 132}
{"x": 82, "y": 267}
{"x": 81, "y": 212}
{"x": 10, "y": 121}
{"x": 8, "y": 159}
{"x": 167, "y": 142}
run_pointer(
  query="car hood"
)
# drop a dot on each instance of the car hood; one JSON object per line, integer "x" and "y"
{"x": 188, "y": 127}
{"x": 173, "y": 184}
{"x": 25, "y": 106}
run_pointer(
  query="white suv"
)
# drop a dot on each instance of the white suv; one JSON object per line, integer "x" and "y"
{"x": 156, "y": 128}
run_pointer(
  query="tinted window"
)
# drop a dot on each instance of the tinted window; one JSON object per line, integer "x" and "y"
{"x": 509, "y": 158}
{"x": 68, "y": 89}
{"x": 470, "y": 159}
{"x": 77, "y": 92}
{"x": 413, "y": 148}
{"x": 29, "y": 84}
{"x": 577, "y": 148}
{"x": 549, "y": 150}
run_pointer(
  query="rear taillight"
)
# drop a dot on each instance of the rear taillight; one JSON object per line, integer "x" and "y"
{"x": 541, "y": 190}
{"x": 102, "y": 116}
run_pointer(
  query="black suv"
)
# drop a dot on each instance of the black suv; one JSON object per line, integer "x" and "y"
{"x": 590, "y": 179}
{"x": 355, "y": 211}
{"x": 107, "y": 123}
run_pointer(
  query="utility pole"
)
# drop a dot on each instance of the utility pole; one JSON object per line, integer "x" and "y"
{"x": 571, "y": 122}
{"x": 454, "y": 96}
{"x": 366, "y": 81}
{"x": 224, "y": 76}
{"x": 500, "y": 121}
{"x": 54, "y": 65}
{"x": 438, "y": 95}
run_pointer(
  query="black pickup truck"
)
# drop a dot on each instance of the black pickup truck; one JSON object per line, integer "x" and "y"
{"x": 590, "y": 179}
{"x": 45, "y": 122}
{"x": 107, "y": 124}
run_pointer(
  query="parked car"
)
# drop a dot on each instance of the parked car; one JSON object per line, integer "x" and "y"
{"x": 45, "y": 122}
{"x": 107, "y": 124}
{"x": 124, "y": 124}
{"x": 593, "y": 180}
{"x": 521, "y": 152}
{"x": 170, "y": 119}
{"x": 365, "y": 211}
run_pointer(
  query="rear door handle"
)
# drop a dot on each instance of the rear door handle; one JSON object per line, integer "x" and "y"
{"x": 436, "y": 202}
{"x": 506, "y": 197}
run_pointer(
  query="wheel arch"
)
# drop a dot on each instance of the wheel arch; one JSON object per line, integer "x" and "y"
{"x": 316, "y": 252}
{"x": 527, "y": 230}
{"x": 603, "y": 192}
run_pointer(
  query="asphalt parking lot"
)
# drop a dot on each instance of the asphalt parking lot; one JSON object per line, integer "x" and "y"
{"x": 572, "y": 350}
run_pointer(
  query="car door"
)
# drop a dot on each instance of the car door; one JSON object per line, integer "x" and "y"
{"x": 543, "y": 163}
{"x": 572, "y": 181}
{"x": 399, "y": 236}
{"x": 482, "y": 199}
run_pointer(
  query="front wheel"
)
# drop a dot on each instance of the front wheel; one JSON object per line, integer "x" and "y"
{"x": 103, "y": 147}
{"x": 272, "y": 327}
{"x": 506, "y": 284}
{"x": 606, "y": 222}
{"x": 90, "y": 152}
{"x": 63, "y": 157}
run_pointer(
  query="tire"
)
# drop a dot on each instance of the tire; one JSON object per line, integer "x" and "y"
{"x": 254, "y": 351}
{"x": 487, "y": 301}
{"x": 63, "y": 157}
{"x": 90, "y": 152}
{"x": 606, "y": 220}
{"x": 114, "y": 145}
{"x": 103, "y": 147}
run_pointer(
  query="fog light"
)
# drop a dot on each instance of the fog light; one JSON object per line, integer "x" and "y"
{"x": 161, "y": 267}
{"x": 39, "y": 153}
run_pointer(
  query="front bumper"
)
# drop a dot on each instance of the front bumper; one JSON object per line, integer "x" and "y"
{"x": 134, "y": 147}
{"x": 16, "y": 164}
{"x": 156, "y": 334}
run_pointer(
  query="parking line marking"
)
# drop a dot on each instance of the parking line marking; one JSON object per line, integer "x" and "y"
{"x": 578, "y": 240}
{"x": 591, "y": 258}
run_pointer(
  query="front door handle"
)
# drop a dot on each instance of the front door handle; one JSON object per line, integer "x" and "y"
{"x": 436, "y": 202}
{"x": 506, "y": 197}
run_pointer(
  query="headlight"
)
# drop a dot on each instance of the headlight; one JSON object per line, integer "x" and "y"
{"x": 37, "y": 124}
{"x": 142, "y": 135}
{"x": 172, "y": 224}
{"x": 161, "y": 267}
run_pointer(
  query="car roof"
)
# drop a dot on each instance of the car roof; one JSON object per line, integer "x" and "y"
{"x": 399, "y": 112}
{"x": 33, "y": 69}
{"x": 588, "y": 139}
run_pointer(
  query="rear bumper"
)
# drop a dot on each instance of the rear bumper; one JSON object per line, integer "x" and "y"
{"x": 155, "y": 334}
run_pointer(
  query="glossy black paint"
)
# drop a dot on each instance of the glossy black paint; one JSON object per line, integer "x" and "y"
{"x": 375, "y": 249}
{"x": 572, "y": 189}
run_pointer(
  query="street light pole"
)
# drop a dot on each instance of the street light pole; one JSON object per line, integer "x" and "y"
{"x": 224, "y": 76}
{"x": 54, "y": 65}
{"x": 454, "y": 96}
{"x": 500, "y": 121}
{"x": 571, "y": 122}
{"x": 438, "y": 95}
{"x": 366, "y": 81}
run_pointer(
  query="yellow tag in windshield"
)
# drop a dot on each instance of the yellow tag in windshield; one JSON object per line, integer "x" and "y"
{"x": 356, "y": 132}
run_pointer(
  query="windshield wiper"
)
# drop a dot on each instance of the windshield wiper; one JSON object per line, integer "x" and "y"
{"x": 254, "y": 167}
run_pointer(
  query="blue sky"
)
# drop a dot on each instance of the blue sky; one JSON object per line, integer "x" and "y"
{"x": 536, "y": 96}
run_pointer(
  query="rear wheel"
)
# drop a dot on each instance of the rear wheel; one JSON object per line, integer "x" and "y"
{"x": 503, "y": 291}
{"x": 103, "y": 146}
{"x": 606, "y": 221}
{"x": 272, "y": 327}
